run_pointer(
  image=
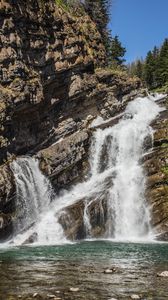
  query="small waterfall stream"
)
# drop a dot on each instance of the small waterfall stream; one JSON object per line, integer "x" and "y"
{"x": 116, "y": 153}
{"x": 33, "y": 191}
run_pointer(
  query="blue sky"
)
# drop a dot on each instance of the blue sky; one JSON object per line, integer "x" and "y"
{"x": 140, "y": 25}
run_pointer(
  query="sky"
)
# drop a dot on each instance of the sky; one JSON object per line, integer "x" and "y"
{"x": 140, "y": 25}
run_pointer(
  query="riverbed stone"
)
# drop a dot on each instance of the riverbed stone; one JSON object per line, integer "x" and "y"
{"x": 110, "y": 271}
{"x": 74, "y": 289}
{"x": 163, "y": 274}
{"x": 135, "y": 297}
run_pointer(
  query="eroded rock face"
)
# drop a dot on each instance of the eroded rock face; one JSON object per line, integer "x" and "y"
{"x": 72, "y": 219}
{"x": 7, "y": 203}
{"x": 157, "y": 169}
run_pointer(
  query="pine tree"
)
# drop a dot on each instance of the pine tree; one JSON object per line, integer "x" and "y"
{"x": 139, "y": 69}
{"x": 154, "y": 70}
{"x": 149, "y": 69}
{"x": 99, "y": 12}
{"x": 162, "y": 71}
{"x": 116, "y": 52}
{"x": 156, "y": 56}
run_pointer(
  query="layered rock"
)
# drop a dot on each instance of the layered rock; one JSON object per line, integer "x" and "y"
{"x": 157, "y": 170}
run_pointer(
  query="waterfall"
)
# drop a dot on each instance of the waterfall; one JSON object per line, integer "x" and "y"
{"x": 116, "y": 171}
{"x": 33, "y": 192}
{"x": 120, "y": 149}
{"x": 34, "y": 195}
{"x": 127, "y": 207}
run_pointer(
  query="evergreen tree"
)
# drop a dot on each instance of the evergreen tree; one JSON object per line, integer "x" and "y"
{"x": 149, "y": 69}
{"x": 99, "y": 12}
{"x": 162, "y": 69}
{"x": 139, "y": 72}
{"x": 116, "y": 52}
{"x": 154, "y": 70}
{"x": 136, "y": 68}
{"x": 156, "y": 55}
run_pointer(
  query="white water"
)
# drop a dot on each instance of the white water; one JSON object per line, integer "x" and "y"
{"x": 115, "y": 153}
{"x": 33, "y": 192}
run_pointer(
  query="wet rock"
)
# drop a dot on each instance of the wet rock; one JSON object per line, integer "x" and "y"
{"x": 156, "y": 166}
{"x": 52, "y": 297}
{"x": 135, "y": 297}
{"x": 163, "y": 274}
{"x": 35, "y": 295}
{"x": 72, "y": 220}
{"x": 74, "y": 289}
{"x": 31, "y": 239}
{"x": 162, "y": 237}
{"x": 110, "y": 271}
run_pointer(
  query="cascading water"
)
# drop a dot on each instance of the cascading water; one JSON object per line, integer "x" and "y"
{"x": 33, "y": 192}
{"x": 34, "y": 197}
{"x": 127, "y": 208}
{"x": 116, "y": 154}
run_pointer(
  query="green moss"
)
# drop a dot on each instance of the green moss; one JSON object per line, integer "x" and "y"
{"x": 164, "y": 145}
{"x": 163, "y": 89}
{"x": 62, "y": 4}
{"x": 165, "y": 170}
{"x": 73, "y": 7}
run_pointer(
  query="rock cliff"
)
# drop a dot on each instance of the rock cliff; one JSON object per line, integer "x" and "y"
{"x": 157, "y": 170}
{"x": 52, "y": 86}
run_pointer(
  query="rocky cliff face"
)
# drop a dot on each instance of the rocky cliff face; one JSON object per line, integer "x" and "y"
{"x": 51, "y": 89}
{"x": 157, "y": 170}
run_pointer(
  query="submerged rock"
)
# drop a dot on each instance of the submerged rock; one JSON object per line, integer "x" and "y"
{"x": 135, "y": 297}
{"x": 110, "y": 271}
{"x": 163, "y": 274}
{"x": 74, "y": 289}
{"x": 32, "y": 239}
{"x": 52, "y": 297}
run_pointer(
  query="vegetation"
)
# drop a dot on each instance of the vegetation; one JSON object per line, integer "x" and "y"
{"x": 72, "y": 6}
{"x": 99, "y": 11}
{"x": 165, "y": 170}
{"x": 153, "y": 70}
{"x": 116, "y": 53}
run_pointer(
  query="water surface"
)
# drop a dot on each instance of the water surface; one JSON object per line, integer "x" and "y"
{"x": 46, "y": 270}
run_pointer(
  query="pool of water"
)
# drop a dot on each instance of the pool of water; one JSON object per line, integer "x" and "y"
{"x": 55, "y": 269}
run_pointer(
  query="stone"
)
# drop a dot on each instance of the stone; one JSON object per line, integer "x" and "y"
{"x": 163, "y": 274}
{"x": 74, "y": 289}
{"x": 51, "y": 296}
{"x": 109, "y": 271}
{"x": 35, "y": 295}
{"x": 135, "y": 297}
{"x": 31, "y": 239}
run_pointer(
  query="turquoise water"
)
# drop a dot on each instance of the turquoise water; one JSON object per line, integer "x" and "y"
{"x": 47, "y": 270}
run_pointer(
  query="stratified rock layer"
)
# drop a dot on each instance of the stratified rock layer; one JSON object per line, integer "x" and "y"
{"x": 157, "y": 169}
